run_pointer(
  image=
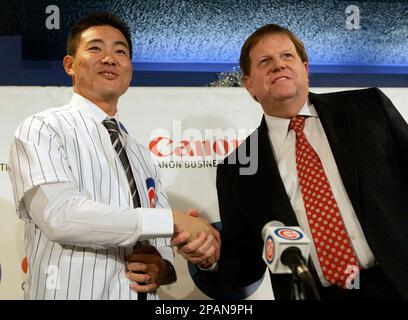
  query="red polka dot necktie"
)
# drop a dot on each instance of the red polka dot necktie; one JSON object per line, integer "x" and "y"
{"x": 334, "y": 250}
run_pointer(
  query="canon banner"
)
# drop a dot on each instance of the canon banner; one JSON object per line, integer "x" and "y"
{"x": 188, "y": 132}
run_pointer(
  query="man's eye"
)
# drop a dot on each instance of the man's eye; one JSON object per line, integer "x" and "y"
{"x": 123, "y": 52}
{"x": 288, "y": 55}
{"x": 263, "y": 61}
{"x": 94, "y": 49}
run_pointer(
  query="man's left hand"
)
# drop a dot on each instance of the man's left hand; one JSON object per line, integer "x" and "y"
{"x": 146, "y": 269}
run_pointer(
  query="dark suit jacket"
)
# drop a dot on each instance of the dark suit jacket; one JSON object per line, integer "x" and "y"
{"x": 369, "y": 141}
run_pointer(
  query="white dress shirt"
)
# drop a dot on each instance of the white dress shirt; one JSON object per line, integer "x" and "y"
{"x": 283, "y": 142}
{"x": 70, "y": 188}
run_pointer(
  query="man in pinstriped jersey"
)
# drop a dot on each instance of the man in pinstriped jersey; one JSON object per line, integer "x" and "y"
{"x": 98, "y": 225}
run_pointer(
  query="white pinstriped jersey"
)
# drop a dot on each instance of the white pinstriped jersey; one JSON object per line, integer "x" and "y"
{"x": 70, "y": 145}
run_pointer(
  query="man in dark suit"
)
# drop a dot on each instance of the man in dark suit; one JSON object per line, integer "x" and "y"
{"x": 334, "y": 164}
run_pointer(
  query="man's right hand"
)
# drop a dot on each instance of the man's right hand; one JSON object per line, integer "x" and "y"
{"x": 196, "y": 239}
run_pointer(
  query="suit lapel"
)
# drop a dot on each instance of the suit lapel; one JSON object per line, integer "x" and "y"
{"x": 270, "y": 180}
{"x": 336, "y": 124}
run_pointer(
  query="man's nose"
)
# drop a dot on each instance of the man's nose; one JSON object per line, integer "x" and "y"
{"x": 278, "y": 65}
{"x": 108, "y": 59}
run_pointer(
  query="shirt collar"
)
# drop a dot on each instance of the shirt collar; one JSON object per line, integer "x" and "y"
{"x": 88, "y": 107}
{"x": 278, "y": 127}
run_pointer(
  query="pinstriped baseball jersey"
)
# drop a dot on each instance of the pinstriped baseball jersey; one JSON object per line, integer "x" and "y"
{"x": 70, "y": 145}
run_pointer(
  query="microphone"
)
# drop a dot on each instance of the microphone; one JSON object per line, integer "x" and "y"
{"x": 286, "y": 250}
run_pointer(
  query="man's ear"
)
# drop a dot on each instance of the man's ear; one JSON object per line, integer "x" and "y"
{"x": 247, "y": 82}
{"x": 306, "y": 66}
{"x": 307, "y": 70}
{"x": 68, "y": 63}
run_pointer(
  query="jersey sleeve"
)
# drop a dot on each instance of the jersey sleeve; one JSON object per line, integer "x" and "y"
{"x": 36, "y": 157}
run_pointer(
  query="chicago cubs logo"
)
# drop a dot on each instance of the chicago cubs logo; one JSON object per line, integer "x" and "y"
{"x": 150, "y": 185}
{"x": 288, "y": 234}
{"x": 269, "y": 249}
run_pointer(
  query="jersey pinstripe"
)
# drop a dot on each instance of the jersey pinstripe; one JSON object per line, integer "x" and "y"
{"x": 68, "y": 144}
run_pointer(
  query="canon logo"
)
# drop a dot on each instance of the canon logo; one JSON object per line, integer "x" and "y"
{"x": 165, "y": 147}
{"x": 184, "y": 145}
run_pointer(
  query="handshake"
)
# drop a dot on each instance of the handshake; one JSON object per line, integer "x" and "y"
{"x": 196, "y": 240}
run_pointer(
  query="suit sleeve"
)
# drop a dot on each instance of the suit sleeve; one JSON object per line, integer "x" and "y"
{"x": 398, "y": 126}
{"x": 238, "y": 252}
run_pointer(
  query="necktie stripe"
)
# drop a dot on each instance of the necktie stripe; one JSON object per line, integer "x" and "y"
{"x": 115, "y": 143}
{"x": 120, "y": 151}
{"x": 113, "y": 130}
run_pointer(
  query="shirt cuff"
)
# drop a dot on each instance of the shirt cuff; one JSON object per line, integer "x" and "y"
{"x": 155, "y": 223}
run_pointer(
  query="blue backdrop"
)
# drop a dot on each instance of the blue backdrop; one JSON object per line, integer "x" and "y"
{"x": 188, "y": 42}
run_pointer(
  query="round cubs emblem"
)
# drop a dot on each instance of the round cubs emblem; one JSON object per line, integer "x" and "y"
{"x": 269, "y": 249}
{"x": 288, "y": 234}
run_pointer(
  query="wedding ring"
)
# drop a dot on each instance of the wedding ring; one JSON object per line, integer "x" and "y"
{"x": 146, "y": 282}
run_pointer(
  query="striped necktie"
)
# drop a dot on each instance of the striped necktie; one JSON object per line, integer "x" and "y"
{"x": 112, "y": 126}
{"x": 334, "y": 249}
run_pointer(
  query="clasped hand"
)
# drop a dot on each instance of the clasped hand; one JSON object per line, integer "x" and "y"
{"x": 146, "y": 269}
{"x": 196, "y": 240}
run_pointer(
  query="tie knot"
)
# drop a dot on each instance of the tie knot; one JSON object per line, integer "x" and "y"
{"x": 297, "y": 123}
{"x": 111, "y": 125}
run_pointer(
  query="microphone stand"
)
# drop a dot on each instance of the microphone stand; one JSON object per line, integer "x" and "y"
{"x": 303, "y": 284}
{"x": 297, "y": 290}
{"x": 304, "y": 290}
